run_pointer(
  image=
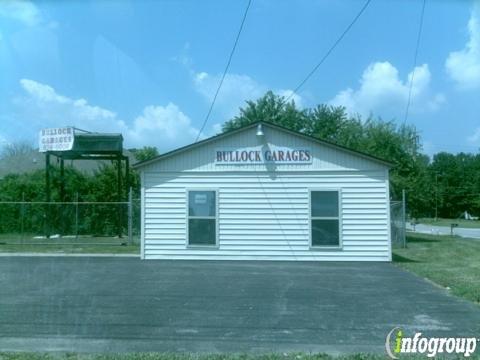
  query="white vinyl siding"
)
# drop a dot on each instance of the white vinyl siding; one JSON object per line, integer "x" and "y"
{"x": 263, "y": 210}
{"x": 265, "y": 215}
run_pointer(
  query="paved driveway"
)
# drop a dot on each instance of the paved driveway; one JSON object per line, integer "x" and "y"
{"x": 125, "y": 304}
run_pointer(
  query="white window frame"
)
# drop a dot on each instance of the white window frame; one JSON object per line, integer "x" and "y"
{"x": 188, "y": 217}
{"x": 339, "y": 218}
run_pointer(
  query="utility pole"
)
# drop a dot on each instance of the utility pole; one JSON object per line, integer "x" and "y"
{"x": 436, "y": 196}
{"x": 404, "y": 218}
{"x": 47, "y": 195}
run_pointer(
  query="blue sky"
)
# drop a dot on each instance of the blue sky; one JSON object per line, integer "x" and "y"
{"x": 149, "y": 69}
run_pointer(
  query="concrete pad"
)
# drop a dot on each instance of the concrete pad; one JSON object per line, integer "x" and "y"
{"x": 97, "y": 304}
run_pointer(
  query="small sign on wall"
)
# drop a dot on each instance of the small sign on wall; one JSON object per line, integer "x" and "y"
{"x": 273, "y": 155}
{"x": 200, "y": 199}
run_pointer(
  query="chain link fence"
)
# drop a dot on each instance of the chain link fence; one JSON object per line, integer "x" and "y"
{"x": 397, "y": 224}
{"x": 115, "y": 223}
{"x": 91, "y": 223}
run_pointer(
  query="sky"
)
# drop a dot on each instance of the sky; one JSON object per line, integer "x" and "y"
{"x": 149, "y": 69}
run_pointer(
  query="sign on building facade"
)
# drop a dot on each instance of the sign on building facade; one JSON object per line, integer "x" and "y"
{"x": 260, "y": 155}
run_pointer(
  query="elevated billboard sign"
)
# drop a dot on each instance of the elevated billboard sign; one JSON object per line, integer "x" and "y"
{"x": 56, "y": 139}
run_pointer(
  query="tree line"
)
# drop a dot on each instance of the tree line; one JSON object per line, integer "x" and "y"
{"x": 445, "y": 185}
{"x": 72, "y": 219}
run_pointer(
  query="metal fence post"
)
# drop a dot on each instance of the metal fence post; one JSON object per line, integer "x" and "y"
{"x": 25, "y": 225}
{"x": 76, "y": 216}
{"x": 404, "y": 223}
{"x": 22, "y": 218}
{"x": 130, "y": 217}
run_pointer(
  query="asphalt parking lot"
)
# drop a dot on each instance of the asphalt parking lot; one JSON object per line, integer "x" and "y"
{"x": 98, "y": 304}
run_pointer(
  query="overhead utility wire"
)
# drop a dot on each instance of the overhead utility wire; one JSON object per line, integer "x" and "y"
{"x": 327, "y": 54}
{"x": 224, "y": 72}
{"x": 419, "y": 35}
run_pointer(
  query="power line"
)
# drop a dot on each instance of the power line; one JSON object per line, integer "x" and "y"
{"x": 419, "y": 35}
{"x": 330, "y": 50}
{"x": 225, "y": 71}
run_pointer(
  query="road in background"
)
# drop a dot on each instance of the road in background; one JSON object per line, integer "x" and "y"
{"x": 444, "y": 230}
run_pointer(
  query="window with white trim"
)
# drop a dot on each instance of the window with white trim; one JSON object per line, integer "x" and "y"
{"x": 202, "y": 212}
{"x": 324, "y": 218}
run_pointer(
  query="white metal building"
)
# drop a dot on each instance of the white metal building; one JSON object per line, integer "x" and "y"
{"x": 263, "y": 192}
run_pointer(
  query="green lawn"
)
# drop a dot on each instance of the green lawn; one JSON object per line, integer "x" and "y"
{"x": 447, "y": 222}
{"x": 180, "y": 356}
{"x": 451, "y": 262}
{"x": 83, "y": 244}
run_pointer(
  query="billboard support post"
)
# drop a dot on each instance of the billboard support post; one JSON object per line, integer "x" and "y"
{"x": 62, "y": 196}
{"x": 47, "y": 194}
{"x": 119, "y": 196}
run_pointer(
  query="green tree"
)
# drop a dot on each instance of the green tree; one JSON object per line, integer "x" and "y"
{"x": 271, "y": 108}
{"x": 15, "y": 149}
{"x": 398, "y": 144}
{"x": 31, "y": 187}
{"x": 456, "y": 180}
{"x": 332, "y": 124}
{"x": 145, "y": 153}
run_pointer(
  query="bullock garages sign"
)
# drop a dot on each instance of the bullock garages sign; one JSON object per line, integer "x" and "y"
{"x": 277, "y": 155}
{"x": 56, "y": 139}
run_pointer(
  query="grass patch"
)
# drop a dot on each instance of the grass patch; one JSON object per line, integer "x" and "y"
{"x": 70, "y": 245}
{"x": 174, "y": 356}
{"x": 450, "y": 261}
{"x": 471, "y": 224}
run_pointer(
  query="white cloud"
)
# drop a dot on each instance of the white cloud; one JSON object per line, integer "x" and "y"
{"x": 42, "y": 92}
{"x": 291, "y": 96}
{"x": 165, "y": 127}
{"x": 463, "y": 66}
{"x": 475, "y": 137}
{"x": 236, "y": 89}
{"x": 429, "y": 148}
{"x": 20, "y": 10}
{"x": 52, "y": 109}
{"x": 383, "y": 93}
{"x": 3, "y": 141}
{"x": 184, "y": 59}
{"x": 217, "y": 128}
